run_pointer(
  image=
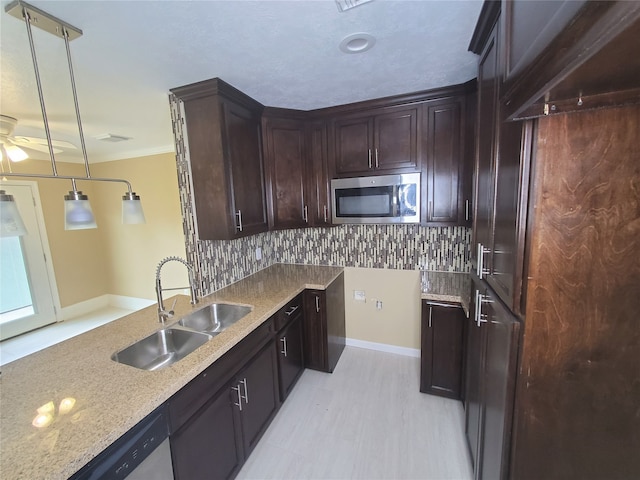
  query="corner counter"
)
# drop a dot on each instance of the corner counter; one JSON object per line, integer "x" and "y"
{"x": 446, "y": 287}
{"x": 104, "y": 399}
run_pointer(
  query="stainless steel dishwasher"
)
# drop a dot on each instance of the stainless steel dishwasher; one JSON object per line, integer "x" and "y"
{"x": 143, "y": 453}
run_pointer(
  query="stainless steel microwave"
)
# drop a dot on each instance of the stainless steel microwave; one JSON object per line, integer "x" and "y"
{"x": 381, "y": 199}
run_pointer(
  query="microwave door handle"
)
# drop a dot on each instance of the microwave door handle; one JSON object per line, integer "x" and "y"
{"x": 396, "y": 200}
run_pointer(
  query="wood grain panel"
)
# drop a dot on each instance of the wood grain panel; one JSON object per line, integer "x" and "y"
{"x": 579, "y": 388}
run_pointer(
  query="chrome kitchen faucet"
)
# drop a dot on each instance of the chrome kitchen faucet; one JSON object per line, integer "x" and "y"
{"x": 163, "y": 314}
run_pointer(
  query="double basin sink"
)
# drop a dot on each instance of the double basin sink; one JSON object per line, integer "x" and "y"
{"x": 165, "y": 347}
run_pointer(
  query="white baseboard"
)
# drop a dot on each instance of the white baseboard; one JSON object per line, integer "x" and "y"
{"x": 104, "y": 301}
{"x": 383, "y": 347}
{"x": 130, "y": 303}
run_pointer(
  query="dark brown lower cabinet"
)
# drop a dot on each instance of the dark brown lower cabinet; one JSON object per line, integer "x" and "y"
{"x": 217, "y": 419}
{"x": 492, "y": 351}
{"x": 208, "y": 446}
{"x": 255, "y": 394}
{"x": 289, "y": 342}
{"x": 324, "y": 326}
{"x": 441, "y": 351}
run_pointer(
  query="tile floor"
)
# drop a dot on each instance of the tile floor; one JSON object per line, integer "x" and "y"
{"x": 28, "y": 343}
{"x": 367, "y": 420}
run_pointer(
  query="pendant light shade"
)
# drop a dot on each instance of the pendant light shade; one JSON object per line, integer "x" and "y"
{"x": 11, "y": 224}
{"x": 132, "y": 212}
{"x": 77, "y": 212}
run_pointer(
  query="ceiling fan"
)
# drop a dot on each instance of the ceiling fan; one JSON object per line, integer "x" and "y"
{"x": 14, "y": 147}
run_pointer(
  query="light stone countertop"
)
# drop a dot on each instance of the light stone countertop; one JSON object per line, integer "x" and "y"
{"x": 446, "y": 287}
{"x": 110, "y": 398}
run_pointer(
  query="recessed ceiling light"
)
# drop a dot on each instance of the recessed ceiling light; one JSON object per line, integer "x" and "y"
{"x": 357, "y": 43}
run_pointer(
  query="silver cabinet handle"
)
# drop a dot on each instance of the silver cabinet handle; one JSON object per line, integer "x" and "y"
{"x": 289, "y": 312}
{"x": 317, "y": 303}
{"x": 466, "y": 210}
{"x": 306, "y": 214}
{"x": 326, "y": 213}
{"x": 430, "y": 210}
{"x": 430, "y": 314}
{"x": 370, "y": 165}
{"x": 284, "y": 346}
{"x": 480, "y": 299}
{"x": 377, "y": 165}
{"x": 480, "y": 270}
{"x": 246, "y": 394}
{"x": 239, "y": 215}
{"x": 239, "y": 404}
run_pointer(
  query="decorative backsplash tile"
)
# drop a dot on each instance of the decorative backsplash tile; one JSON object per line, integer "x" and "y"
{"x": 220, "y": 263}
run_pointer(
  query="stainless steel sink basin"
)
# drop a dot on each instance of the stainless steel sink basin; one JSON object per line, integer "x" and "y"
{"x": 214, "y": 318}
{"x": 161, "y": 349}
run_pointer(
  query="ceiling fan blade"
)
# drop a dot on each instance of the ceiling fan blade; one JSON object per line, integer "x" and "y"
{"x": 37, "y": 147}
{"x": 30, "y": 141}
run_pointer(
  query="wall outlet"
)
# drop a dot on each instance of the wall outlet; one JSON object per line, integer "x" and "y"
{"x": 379, "y": 304}
{"x": 359, "y": 296}
{"x": 258, "y": 253}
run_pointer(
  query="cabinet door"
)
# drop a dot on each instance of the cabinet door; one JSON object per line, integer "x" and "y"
{"x": 244, "y": 161}
{"x": 353, "y": 138}
{"x": 474, "y": 371}
{"x": 444, "y": 162}
{"x": 499, "y": 387}
{"x": 510, "y": 211}
{"x": 286, "y": 173}
{"x": 290, "y": 356}
{"x": 486, "y": 134}
{"x": 395, "y": 140}
{"x": 441, "y": 349}
{"x": 209, "y": 445}
{"x": 318, "y": 175}
{"x": 315, "y": 330}
{"x": 257, "y": 385}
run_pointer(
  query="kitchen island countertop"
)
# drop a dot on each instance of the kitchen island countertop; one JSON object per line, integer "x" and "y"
{"x": 104, "y": 399}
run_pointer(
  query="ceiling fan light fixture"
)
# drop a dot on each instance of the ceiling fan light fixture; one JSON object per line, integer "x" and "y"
{"x": 78, "y": 214}
{"x": 15, "y": 154}
{"x": 11, "y": 224}
{"x": 132, "y": 212}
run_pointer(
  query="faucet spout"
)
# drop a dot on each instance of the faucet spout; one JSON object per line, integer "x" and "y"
{"x": 164, "y": 314}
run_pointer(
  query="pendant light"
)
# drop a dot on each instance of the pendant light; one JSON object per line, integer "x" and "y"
{"x": 78, "y": 212}
{"x": 132, "y": 209}
{"x": 11, "y": 224}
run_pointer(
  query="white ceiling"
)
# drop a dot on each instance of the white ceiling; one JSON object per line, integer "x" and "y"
{"x": 282, "y": 53}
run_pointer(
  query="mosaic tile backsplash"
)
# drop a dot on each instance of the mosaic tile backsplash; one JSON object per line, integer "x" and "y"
{"x": 220, "y": 263}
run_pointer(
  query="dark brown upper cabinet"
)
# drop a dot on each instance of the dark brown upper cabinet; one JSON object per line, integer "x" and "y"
{"x": 318, "y": 183}
{"x": 377, "y": 142}
{"x": 287, "y": 170}
{"x": 296, "y": 169}
{"x": 223, "y": 139}
{"x": 566, "y": 56}
{"x": 446, "y": 201}
{"x": 501, "y": 181}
